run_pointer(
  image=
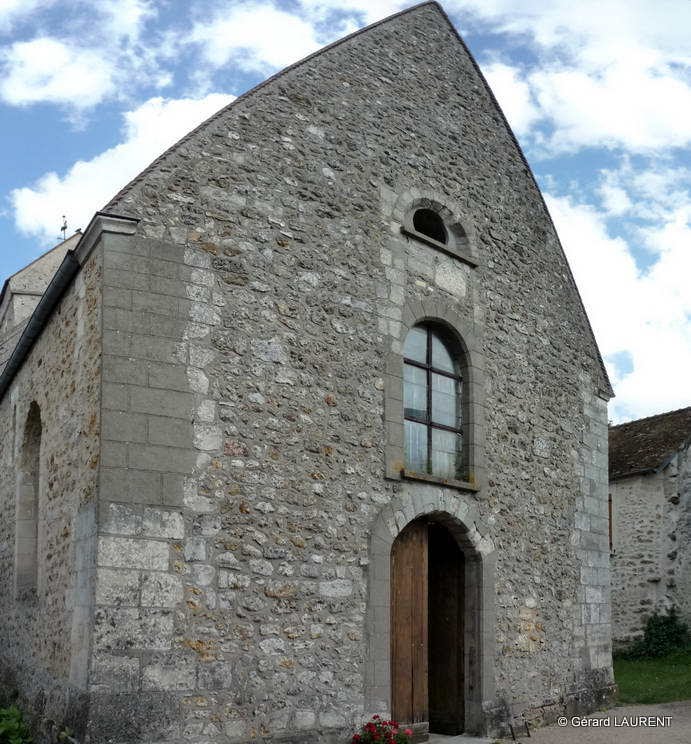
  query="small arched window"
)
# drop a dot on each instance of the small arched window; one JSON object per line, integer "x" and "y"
{"x": 28, "y": 490}
{"x": 428, "y": 222}
{"x": 432, "y": 404}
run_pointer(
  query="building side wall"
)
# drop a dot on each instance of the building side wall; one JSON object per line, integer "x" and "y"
{"x": 650, "y": 562}
{"x": 44, "y": 655}
{"x": 682, "y": 548}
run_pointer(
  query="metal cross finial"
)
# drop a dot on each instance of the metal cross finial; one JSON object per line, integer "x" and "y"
{"x": 63, "y": 229}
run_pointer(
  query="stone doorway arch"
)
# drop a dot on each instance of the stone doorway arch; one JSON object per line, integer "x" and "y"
{"x": 459, "y": 516}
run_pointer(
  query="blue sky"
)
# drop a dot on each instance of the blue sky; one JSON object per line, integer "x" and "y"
{"x": 598, "y": 93}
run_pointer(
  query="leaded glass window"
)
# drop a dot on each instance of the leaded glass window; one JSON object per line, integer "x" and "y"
{"x": 432, "y": 404}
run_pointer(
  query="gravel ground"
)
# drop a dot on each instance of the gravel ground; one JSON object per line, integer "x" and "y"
{"x": 676, "y": 728}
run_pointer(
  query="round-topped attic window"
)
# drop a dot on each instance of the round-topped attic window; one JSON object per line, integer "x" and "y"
{"x": 429, "y": 223}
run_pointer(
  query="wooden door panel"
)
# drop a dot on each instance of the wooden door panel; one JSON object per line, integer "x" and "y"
{"x": 409, "y": 632}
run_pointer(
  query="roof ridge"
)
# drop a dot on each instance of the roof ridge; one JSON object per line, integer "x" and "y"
{"x": 652, "y": 416}
{"x": 280, "y": 73}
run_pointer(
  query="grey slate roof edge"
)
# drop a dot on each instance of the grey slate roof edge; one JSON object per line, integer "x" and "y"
{"x": 606, "y": 388}
{"x": 5, "y": 287}
{"x": 664, "y": 458}
{"x": 647, "y": 418}
{"x": 74, "y": 259}
{"x": 663, "y": 464}
{"x": 62, "y": 277}
{"x": 634, "y": 473}
{"x": 7, "y": 281}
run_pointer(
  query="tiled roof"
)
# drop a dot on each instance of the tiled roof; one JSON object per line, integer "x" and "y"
{"x": 647, "y": 444}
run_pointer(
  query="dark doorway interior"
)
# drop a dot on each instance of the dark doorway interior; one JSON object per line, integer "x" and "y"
{"x": 427, "y": 591}
{"x": 445, "y": 597}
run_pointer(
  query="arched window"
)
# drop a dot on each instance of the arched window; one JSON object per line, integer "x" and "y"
{"x": 432, "y": 404}
{"x": 28, "y": 489}
{"x": 429, "y": 223}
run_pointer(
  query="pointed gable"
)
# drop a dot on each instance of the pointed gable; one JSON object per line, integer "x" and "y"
{"x": 421, "y": 99}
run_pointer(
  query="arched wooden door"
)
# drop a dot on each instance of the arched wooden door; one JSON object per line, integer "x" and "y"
{"x": 427, "y": 590}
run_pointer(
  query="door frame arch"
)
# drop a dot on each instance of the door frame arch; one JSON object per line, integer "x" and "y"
{"x": 460, "y": 516}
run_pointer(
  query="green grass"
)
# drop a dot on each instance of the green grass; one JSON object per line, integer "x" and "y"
{"x": 659, "y": 680}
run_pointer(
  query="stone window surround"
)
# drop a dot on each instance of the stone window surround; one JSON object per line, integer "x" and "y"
{"x": 459, "y": 243}
{"x": 28, "y": 498}
{"x": 438, "y": 313}
{"x": 460, "y": 516}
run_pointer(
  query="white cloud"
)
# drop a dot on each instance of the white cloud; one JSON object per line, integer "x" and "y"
{"x": 368, "y": 10}
{"x": 88, "y": 185}
{"x": 650, "y": 192}
{"x": 92, "y": 55}
{"x": 662, "y": 188}
{"x": 12, "y": 11}
{"x": 255, "y": 37}
{"x": 595, "y": 30}
{"x": 615, "y": 199}
{"x": 124, "y": 19}
{"x": 513, "y": 94}
{"x": 45, "y": 69}
{"x": 645, "y": 314}
{"x": 639, "y": 108}
{"x": 615, "y": 73}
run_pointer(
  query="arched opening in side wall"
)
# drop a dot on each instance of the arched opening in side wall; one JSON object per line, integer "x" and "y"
{"x": 27, "y": 507}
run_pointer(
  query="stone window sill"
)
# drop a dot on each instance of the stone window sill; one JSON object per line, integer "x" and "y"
{"x": 449, "y": 250}
{"x": 436, "y": 480}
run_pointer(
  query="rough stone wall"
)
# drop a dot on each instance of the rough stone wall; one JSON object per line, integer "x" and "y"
{"x": 682, "y": 547}
{"x": 240, "y": 492}
{"x": 650, "y": 560}
{"x": 44, "y": 653}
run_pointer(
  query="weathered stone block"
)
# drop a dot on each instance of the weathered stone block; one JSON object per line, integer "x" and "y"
{"x": 162, "y": 523}
{"x": 122, "y": 552}
{"x": 170, "y": 673}
{"x": 117, "y": 587}
{"x": 161, "y": 590}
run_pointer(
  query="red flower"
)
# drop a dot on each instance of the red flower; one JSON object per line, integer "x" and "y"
{"x": 408, "y": 732}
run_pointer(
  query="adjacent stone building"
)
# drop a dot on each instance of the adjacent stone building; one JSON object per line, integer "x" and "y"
{"x": 650, "y": 520}
{"x": 21, "y": 292}
{"x": 310, "y": 425}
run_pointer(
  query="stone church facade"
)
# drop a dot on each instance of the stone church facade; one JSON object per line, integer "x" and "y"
{"x": 310, "y": 425}
{"x": 650, "y": 513}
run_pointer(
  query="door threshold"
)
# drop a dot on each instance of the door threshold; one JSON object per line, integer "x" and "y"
{"x": 457, "y": 739}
